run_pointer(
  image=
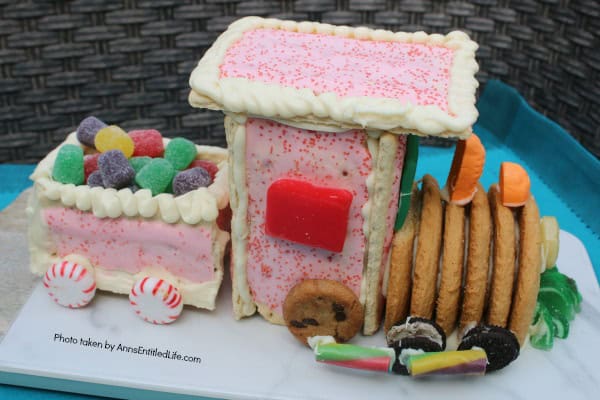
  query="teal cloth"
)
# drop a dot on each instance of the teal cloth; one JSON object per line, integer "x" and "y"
{"x": 13, "y": 180}
{"x": 565, "y": 178}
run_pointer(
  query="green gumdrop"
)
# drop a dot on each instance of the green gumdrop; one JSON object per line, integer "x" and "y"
{"x": 68, "y": 166}
{"x": 542, "y": 330}
{"x": 180, "y": 152}
{"x": 169, "y": 188}
{"x": 156, "y": 176}
{"x": 137, "y": 163}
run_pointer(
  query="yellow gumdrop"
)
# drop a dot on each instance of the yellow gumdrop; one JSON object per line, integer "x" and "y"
{"x": 114, "y": 138}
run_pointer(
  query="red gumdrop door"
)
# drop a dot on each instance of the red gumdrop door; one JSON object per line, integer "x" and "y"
{"x": 311, "y": 215}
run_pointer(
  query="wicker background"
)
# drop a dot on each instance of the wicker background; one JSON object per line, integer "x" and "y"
{"x": 128, "y": 61}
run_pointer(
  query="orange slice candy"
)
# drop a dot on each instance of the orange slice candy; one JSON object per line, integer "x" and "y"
{"x": 467, "y": 167}
{"x": 514, "y": 185}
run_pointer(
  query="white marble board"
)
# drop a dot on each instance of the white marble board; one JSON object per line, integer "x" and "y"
{"x": 251, "y": 359}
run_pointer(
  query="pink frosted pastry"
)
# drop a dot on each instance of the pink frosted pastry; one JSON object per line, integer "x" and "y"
{"x": 318, "y": 106}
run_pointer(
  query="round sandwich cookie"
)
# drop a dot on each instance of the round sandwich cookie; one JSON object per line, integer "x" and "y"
{"x": 422, "y": 300}
{"x": 500, "y": 345}
{"x": 448, "y": 300}
{"x": 401, "y": 259}
{"x": 413, "y": 336}
{"x": 478, "y": 256}
{"x": 500, "y": 298}
{"x": 528, "y": 278}
{"x": 322, "y": 307}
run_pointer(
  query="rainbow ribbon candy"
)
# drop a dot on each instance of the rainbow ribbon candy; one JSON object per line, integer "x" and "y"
{"x": 357, "y": 357}
{"x": 461, "y": 362}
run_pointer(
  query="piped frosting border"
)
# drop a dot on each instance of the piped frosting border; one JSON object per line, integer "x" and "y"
{"x": 240, "y": 95}
{"x": 197, "y": 206}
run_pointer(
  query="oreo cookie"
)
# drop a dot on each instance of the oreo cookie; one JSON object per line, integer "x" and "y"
{"x": 500, "y": 345}
{"x": 414, "y": 335}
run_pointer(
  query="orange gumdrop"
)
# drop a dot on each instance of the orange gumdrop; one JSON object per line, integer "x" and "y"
{"x": 467, "y": 167}
{"x": 514, "y": 185}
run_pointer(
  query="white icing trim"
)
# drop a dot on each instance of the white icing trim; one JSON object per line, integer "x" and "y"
{"x": 197, "y": 206}
{"x": 240, "y": 95}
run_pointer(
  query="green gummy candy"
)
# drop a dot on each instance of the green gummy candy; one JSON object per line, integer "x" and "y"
{"x": 137, "y": 163}
{"x": 542, "y": 329}
{"x": 180, "y": 152}
{"x": 564, "y": 284}
{"x": 558, "y": 301}
{"x": 561, "y": 326}
{"x": 68, "y": 166}
{"x": 156, "y": 175}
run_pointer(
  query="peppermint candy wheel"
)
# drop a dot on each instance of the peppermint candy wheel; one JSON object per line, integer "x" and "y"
{"x": 156, "y": 300}
{"x": 70, "y": 284}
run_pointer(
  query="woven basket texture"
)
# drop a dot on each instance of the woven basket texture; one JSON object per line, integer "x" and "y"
{"x": 128, "y": 61}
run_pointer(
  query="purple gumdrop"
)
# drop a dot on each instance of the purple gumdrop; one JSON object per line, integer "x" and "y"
{"x": 190, "y": 179}
{"x": 115, "y": 169}
{"x": 95, "y": 179}
{"x": 86, "y": 132}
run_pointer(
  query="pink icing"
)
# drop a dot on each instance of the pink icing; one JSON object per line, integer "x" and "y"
{"x": 130, "y": 245}
{"x": 336, "y": 160}
{"x": 414, "y": 73}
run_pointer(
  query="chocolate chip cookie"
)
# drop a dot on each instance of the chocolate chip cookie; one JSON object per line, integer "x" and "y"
{"x": 320, "y": 307}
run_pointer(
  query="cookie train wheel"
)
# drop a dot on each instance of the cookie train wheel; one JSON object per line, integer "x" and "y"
{"x": 321, "y": 307}
{"x": 156, "y": 300}
{"x": 70, "y": 284}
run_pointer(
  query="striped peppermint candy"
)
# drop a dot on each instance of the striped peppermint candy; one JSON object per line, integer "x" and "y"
{"x": 156, "y": 300}
{"x": 70, "y": 284}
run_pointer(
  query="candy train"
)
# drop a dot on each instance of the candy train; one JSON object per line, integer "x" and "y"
{"x": 467, "y": 362}
{"x": 316, "y": 202}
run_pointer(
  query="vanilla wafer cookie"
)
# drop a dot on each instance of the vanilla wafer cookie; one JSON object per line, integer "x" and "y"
{"x": 423, "y": 292}
{"x": 478, "y": 259}
{"x": 453, "y": 252}
{"x": 503, "y": 260}
{"x": 401, "y": 261}
{"x": 528, "y": 277}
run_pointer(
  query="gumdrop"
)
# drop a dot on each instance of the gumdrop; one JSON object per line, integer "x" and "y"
{"x": 115, "y": 169}
{"x": 95, "y": 179}
{"x": 139, "y": 162}
{"x": 68, "y": 166}
{"x": 90, "y": 164}
{"x": 209, "y": 166}
{"x": 156, "y": 176}
{"x": 114, "y": 138}
{"x": 148, "y": 142}
{"x": 190, "y": 179}
{"x": 87, "y": 130}
{"x": 180, "y": 152}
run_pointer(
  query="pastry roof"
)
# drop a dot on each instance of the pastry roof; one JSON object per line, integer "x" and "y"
{"x": 337, "y": 77}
